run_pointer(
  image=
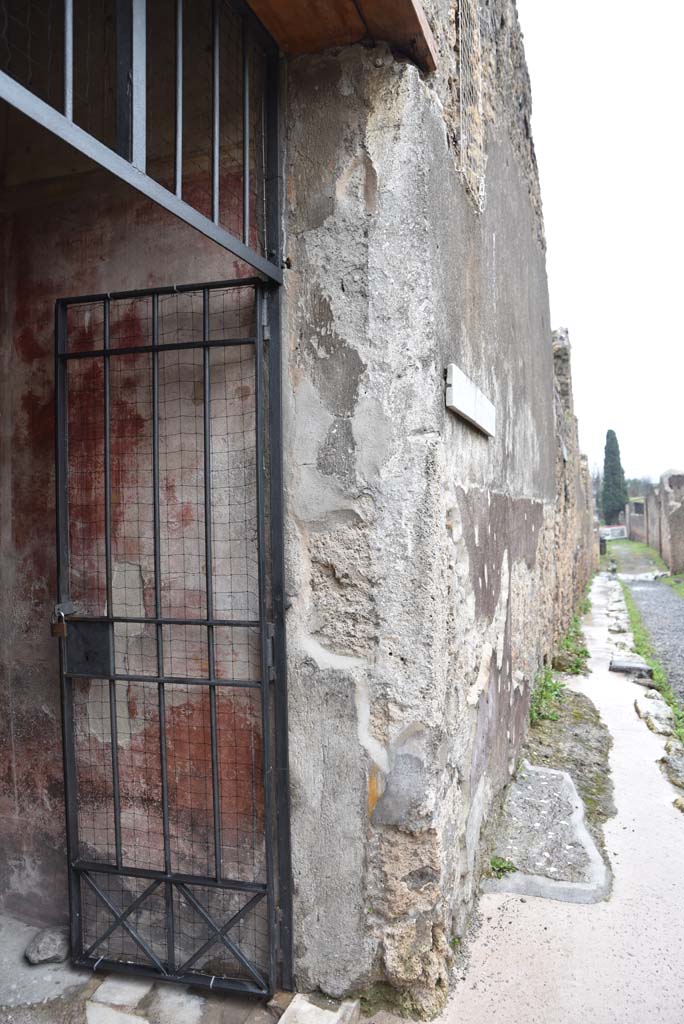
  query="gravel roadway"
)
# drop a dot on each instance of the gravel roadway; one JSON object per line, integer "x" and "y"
{"x": 663, "y": 613}
{"x": 662, "y": 610}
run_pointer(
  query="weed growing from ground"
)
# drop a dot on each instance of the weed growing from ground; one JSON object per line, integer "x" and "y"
{"x": 500, "y": 866}
{"x": 547, "y": 692}
{"x": 572, "y": 655}
{"x": 644, "y": 647}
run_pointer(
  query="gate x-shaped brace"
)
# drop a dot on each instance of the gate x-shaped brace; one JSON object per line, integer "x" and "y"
{"x": 220, "y": 933}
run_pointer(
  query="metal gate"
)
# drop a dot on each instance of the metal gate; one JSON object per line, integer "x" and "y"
{"x": 165, "y": 617}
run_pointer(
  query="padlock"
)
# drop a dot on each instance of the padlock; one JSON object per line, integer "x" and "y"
{"x": 58, "y": 626}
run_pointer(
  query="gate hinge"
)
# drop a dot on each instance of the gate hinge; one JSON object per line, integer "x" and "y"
{"x": 265, "y": 326}
{"x": 270, "y": 650}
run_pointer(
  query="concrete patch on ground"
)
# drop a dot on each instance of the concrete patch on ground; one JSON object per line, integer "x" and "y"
{"x": 657, "y": 715}
{"x": 542, "y": 831}
{"x": 22, "y": 983}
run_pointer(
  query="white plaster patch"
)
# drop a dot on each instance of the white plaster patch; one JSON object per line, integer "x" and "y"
{"x": 482, "y": 681}
{"x": 325, "y": 658}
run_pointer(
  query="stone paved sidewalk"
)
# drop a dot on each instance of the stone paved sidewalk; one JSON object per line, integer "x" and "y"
{"x": 538, "y": 961}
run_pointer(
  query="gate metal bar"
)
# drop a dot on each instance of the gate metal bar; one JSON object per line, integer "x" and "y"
{"x": 130, "y": 162}
{"x": 176, "y": 884}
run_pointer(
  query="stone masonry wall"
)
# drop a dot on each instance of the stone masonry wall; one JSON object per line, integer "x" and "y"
{"x": 636, "y": 523}
{"x": 666, "y": 520}
{"x": 575, "y": 536}
{"x": 421, "y": 557}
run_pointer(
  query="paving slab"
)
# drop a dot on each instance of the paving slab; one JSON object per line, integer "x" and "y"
{"x": 631, "y": 665}
{"x": 99, "y": 1013}
{"x": 118, "y": 990}
{"x": 315, "y": 1010}
{"x": 171, "y": 1004}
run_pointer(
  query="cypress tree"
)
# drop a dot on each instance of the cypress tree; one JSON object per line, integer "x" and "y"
{"x": 614, "y": 496}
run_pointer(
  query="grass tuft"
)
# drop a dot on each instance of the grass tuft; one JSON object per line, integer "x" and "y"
{"x": 676, "y": 582}
{"x": 572, "y": 654}
{"x": 547, "y": 694}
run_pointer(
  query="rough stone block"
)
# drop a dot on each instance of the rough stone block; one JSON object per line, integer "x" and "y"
{"x": 655, "y": 713}
{"x": 672, "y": 763}
{"x": 49, "y": 946}
{"x": 631, "y": 665}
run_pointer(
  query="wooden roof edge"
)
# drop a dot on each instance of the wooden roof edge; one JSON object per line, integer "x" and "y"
{"x": 310, "y": 26}
{"x": 423, "y": 44}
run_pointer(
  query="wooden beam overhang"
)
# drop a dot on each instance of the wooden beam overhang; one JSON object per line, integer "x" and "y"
{"x": 309, "y": 26}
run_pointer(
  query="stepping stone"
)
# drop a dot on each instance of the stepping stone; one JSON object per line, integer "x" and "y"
{"x": 631, "y": 665}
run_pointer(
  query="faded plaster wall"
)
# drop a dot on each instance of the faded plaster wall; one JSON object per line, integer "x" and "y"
{"x": 575, "y": 550}
{"x": 77, "y": 235}
{"x": 421, "y": 557}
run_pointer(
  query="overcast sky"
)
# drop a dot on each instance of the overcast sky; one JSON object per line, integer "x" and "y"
{"x": 608, "y": 119}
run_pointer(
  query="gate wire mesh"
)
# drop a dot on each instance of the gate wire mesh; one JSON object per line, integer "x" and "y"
{"x": 472, "y": 128}
{"x": 169, "y": 751}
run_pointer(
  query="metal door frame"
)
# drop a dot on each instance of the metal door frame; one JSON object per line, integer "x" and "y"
{"x": 277, "y": 889}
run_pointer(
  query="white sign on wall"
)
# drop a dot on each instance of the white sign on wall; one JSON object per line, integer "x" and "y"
{"x": 467, "y": 401}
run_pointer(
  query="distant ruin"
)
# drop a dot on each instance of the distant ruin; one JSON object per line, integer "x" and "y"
{"x": 657, "y": 519}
